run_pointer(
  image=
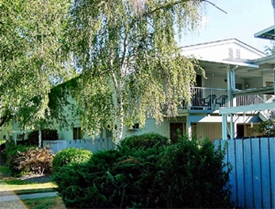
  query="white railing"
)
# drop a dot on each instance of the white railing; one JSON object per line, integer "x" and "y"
{"x": 248, "y": 100}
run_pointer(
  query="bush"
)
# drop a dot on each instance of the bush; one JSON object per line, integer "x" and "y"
{"x": 47, "y": 134}
{"x": 145, "y": 141}
{"x": 111, "y": 179}
{"x": 173, "y": 176}
{"x": 70, "y": 156}
{"x": 194, "y": 175}
{"x": 24, "y": 159}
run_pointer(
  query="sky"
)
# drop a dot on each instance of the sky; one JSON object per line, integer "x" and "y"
{"x": 244, "y": 18}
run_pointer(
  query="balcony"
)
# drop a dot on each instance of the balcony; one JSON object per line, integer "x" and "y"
{"x": 207, "y": 99}
{"x": 211, "y": 99}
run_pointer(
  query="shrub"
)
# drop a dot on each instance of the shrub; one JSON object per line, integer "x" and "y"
{"x": 173, "y": 176}
{"x": 111, "y": 179}
{"x": 145, "y": 141}
{"x": 70, "y": 156}
{"x": 23, "y": 159}
{"x": 194, "y": 175}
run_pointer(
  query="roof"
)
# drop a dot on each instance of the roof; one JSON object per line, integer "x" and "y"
{"x": 268, "y": 33}
{"x": 265, "y": 60}
{"x": 224, "y": 41}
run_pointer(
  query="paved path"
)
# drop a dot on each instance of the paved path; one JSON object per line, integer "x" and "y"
{"x": 13, "y": 197}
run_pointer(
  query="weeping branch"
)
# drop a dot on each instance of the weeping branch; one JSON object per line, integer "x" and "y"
{"x": 214, "y": 5}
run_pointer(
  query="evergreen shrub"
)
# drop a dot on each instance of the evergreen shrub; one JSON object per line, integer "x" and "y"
{"x": 145, "y": 141}
{"x": 194, "y": 175}
{"x": 70, "y": 156}
{"x": 177, "y": 175}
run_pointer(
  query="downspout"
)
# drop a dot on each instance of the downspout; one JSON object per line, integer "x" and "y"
{"x": 273, "y": 5}
{"x": 274, "y": 81}
{"x": 233, "y": 84}
{"x": 231, "y": 87}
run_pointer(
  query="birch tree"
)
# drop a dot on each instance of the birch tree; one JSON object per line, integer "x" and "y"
{"x": 131, "y": 67}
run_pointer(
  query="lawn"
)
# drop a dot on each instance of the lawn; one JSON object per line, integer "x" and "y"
{"x": 18, "y": 187}
{"x": 45, "y": 203}
{"x": 14, "y": 184}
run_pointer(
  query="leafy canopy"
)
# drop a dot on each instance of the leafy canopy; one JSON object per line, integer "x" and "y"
{"x": 130, "y": 63}
{"x": 31, "y": 57}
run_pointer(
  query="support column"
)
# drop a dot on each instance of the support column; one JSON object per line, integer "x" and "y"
{"x": 229, "y": 88}
{"x": 232, "y": 129}
{"x": 188, "y": 128}
{"x": 224, "y": 127}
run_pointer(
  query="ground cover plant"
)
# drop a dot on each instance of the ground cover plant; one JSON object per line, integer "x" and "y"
{"x": 181, "y": 175}
{"x": 23, "y": 159}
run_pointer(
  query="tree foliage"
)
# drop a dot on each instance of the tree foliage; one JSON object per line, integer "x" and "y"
{"x": 270, "y": 50}
{"x": 130, "y": 63}
{"x": 31, "y": 57}
{"x": 125, "y": 50}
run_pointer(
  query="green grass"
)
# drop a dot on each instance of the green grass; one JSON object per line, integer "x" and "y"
{"x": 32, "y": 191}
{"x": 4, "y": 169}
{"x": 2, "y": 141}
{"x": 13, "y": 184}
{"x": 45, "y": 203}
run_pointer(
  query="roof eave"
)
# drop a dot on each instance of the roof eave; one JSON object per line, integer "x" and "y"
{"x": 268, "y": 33}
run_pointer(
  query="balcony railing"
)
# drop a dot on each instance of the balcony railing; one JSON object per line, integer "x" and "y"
{"x": 208, "y": 98}
{"x": 214, "y": 98}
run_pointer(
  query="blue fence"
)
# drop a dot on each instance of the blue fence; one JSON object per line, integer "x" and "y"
{"x": 253, "y": 171}
{"x": 93, "y": 145}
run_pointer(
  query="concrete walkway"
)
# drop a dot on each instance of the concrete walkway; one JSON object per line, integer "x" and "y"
{"x": 13, "y": 197}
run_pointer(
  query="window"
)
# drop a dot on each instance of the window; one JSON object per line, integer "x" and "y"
{"x": 230, "y": 52}
{"x": 238, "y": 54}
{"x": 109, "y": 134}
{"x": 77, "y": 133}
